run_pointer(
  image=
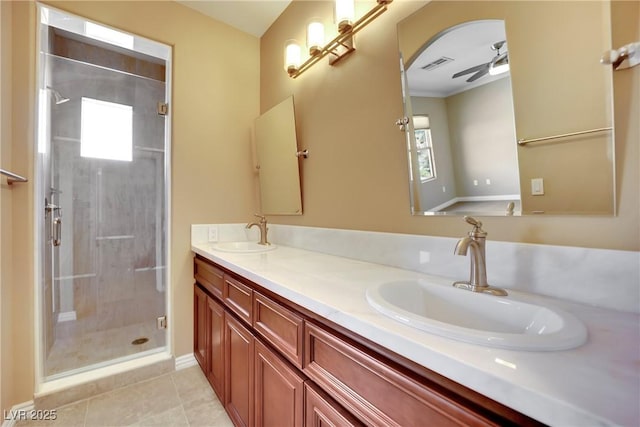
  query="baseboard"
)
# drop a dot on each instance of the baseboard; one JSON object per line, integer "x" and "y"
{"x": 474, "y": 199}
{"x": 19, "y": 412}
{"x": 495, "y": 198}
{"x": 185, "y": 361}
{"x": 444, "y": 205}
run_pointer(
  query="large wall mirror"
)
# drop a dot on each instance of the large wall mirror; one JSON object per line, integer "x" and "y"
{"x": 278, "y": 169}
{"x": 510, "y": 110}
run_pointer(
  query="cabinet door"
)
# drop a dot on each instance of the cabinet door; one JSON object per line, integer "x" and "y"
{"x": 322, "y": 411}
{"x": 238, "y": 372}
{"x": 215, "y": 373}
{"x": 200, "y": 327}
{"x": 279, "y": 391}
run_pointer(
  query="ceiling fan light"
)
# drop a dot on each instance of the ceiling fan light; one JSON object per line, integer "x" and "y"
{"x": 494, "y": 70}
{"x": 499, "y": 65}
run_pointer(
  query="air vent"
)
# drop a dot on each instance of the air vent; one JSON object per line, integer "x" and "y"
{"x": 437, "y": 63}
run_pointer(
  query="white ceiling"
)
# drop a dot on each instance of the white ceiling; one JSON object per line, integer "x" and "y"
{"x": 251, "y": 16}
{"x": 468, "y": 45}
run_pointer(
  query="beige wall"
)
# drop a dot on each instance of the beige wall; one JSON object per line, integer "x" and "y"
{"x": 17, "y": 281}
{"x": 356, "y": 174}
{"x": 215, "y": 100}
{"x": 6, "y": 377}
{"x": 482, "y": 137}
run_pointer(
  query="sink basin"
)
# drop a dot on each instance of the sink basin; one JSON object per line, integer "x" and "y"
{"x": 516, "y": 323}
{"x": 242, "y": 247}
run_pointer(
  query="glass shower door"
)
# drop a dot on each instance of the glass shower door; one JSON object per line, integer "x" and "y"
{"x": 104, "y": 218}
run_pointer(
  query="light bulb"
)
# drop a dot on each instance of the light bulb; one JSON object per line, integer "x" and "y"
{"x": 292, "y": 56}
{"x": 315, "y": 36}
{"x": 345, "y": 12}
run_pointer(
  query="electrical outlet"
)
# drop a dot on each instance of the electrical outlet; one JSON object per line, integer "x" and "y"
{"x": 213, "y": 233}
{"x": 488, "y": 181}
{"x": 475, "y": 182}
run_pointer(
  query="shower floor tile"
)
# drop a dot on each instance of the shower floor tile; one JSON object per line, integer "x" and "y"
{"x": 100, "y": 346}
{"x": 181, "y": 398}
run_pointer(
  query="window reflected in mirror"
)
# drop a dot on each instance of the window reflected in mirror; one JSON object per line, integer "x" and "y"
{"x": 424, "y": 148}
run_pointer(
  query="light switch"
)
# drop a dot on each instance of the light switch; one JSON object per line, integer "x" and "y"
{"x": 475, "y": 182}
{"x": 537, "y": 187}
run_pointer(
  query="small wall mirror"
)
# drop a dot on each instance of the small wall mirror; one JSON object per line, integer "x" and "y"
{"x": 276, "y": 148}
{"x": 480, "y": 76}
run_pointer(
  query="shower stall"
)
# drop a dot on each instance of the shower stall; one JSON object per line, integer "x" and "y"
{"x": 102, "y": 195}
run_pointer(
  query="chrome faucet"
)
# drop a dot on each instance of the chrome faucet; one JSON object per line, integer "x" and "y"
{"x": 475, "y": 241}
{"x": 262, "y": 225}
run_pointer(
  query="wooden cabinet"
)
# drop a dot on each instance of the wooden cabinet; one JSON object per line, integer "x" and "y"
{"x": 321, "y": 411}
{"x": 280, "y": 326}
{"x": 208, "y": 338}
{"x": 238, "y": 297}
{"x": 209, "y": 277}
{"x": 279, "y": 391}
{"x": 200, "y": 322}
{"x": 374, "y": 391}
{"x": 215, "y": 373}
{"x": 238, "y": 368}
{"x": 275, "y": 364}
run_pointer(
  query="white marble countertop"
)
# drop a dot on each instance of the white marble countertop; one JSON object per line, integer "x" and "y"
{"x": 595, "y": 384}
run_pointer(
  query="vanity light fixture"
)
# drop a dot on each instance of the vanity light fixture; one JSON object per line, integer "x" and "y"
{"x": 339, "y": 47}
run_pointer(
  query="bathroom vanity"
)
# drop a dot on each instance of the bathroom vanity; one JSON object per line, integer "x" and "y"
{"x": 273, "y": 362}
{"x": 288, "y": 335}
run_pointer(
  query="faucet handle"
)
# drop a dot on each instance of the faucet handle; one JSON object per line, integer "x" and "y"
{"x": 262, "y": 217}
{"x": 477, "y": 224}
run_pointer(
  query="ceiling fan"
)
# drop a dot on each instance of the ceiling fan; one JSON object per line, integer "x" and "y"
{"x": 499, "y": 64}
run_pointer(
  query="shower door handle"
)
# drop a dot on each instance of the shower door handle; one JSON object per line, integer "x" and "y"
{"x": 57, "y": 231}
{"x": 56, "y": 222}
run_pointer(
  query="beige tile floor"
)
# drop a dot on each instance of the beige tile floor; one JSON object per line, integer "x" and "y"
{"x": 181, "y": 398}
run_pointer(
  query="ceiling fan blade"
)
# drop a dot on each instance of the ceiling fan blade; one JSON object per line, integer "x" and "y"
{"x": 469, "y": 70}
{"x": 480, "y": 73}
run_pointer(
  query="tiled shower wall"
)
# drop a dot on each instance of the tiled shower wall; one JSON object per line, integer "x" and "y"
{"x": 111, "y": 263}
